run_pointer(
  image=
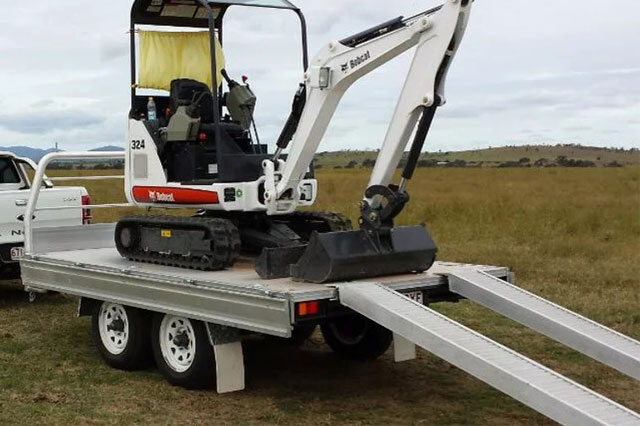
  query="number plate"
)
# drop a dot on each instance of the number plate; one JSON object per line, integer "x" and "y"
{"x": 17, "y": 253}
{"x": 416, "y": 296}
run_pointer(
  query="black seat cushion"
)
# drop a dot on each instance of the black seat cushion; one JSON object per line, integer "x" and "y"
{"x": 185, "y": 91}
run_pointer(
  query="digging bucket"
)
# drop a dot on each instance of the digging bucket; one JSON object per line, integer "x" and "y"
{"x": 352, "y": 255}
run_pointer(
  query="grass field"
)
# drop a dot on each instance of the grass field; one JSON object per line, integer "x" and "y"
{"x": 570, "y": 235}
{"x": 493, "y": 156}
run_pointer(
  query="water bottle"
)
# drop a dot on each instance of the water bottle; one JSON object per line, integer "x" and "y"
{"x": 152, "y": 114}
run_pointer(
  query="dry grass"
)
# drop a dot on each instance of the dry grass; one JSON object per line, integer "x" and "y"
{"x": 572, "y": 236}
{"x": 489, "y": 156}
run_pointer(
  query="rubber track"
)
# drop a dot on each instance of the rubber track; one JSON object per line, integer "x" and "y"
{"x": 224, "y": 235}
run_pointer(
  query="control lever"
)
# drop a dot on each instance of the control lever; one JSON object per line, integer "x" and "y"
{"x": 241, "y": 103}
{"x": 231, "y": 83}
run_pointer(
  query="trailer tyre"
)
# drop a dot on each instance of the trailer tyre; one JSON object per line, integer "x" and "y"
{"x": 183, "y": 352}
{"x": 121, "y": 335}
{"x": 356, "y": 337}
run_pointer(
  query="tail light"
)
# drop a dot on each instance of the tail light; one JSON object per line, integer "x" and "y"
{"x": 86, "y": 213}
{"x": 308, "y": 308}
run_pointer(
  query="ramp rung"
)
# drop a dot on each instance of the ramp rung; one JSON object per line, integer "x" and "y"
{"x": 582, "y": 334}
{"x": 542, "y": 389}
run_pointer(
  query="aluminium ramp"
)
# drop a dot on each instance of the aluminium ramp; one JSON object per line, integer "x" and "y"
{"x": 542, "y": 389}
{"x": 594, "y": 340}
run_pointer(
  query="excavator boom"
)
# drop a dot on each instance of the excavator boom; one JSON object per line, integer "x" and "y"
{"x": 436, "y": 34}
{"x": 379, "y": 247}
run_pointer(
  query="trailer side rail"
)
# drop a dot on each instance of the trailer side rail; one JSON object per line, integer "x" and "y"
{"x": 38, "y": 180}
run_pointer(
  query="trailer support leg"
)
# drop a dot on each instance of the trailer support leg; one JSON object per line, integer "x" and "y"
{"x": 403, "y": 349}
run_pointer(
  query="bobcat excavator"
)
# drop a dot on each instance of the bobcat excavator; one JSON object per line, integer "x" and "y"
{"x": 203, "y": 151}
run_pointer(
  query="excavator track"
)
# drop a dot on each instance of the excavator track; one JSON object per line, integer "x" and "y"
{"x": 201, "y": 243}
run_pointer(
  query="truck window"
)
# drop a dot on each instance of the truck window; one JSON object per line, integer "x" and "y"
{"x": 8, "y": 172}
{"x": 28, "y": 172}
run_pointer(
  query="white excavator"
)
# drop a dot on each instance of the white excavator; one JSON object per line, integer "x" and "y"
{"x": 198, "y": 147}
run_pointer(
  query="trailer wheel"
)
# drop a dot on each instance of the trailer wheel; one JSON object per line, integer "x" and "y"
{"x": 121, "y": 335}
{"x": 356, "y": 337}
{"x": 182, "y": 351}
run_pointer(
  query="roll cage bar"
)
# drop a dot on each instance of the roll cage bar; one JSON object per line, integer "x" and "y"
{"x": 150, "y": 12}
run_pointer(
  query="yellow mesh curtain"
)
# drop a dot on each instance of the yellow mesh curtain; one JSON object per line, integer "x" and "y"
{"x": 166, "y": 56}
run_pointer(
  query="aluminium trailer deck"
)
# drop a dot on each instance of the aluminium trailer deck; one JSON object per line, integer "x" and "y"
{"x": 82, "y": 261}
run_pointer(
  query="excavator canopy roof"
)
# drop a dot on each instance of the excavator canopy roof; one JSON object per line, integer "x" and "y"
{"x": 191, "y": 13}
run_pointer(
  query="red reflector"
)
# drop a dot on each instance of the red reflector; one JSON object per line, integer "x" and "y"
{"x": 202, "y": 137}
{"x": 308, "y": 308}
{"x": 86, "y": 213}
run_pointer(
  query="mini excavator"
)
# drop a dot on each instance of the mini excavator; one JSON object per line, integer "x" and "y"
{"x": 203, "y": 151}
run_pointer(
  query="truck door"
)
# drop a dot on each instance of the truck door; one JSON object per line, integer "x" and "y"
{"x": 54, "y": 197}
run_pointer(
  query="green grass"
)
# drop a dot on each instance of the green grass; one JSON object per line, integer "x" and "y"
{"x": 570, "y": 235}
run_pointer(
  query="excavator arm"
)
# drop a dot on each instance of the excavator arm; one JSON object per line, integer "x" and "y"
{"x": 436, "y": 34}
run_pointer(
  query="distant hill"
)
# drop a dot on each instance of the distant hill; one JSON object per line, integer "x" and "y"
{"x": 108, "y": 148}
{"x": 24, "y": 151}
{"x": 493, "y": 157}
{"x": 36, "y": 154}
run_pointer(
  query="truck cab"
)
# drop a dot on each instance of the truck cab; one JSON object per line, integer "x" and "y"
{"x": 16, "y": 176}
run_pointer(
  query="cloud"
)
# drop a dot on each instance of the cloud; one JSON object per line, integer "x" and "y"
{"x": 574, "y": 76}
{"x": 113, "y": 49}
{"x": 578, "y": 128}
{"x": 33, "y": 123}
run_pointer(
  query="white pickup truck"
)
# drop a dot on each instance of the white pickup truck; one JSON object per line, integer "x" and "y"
{"x": 15, "y": 185}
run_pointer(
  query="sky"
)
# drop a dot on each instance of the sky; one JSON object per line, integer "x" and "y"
{"x": 528, "y": 72}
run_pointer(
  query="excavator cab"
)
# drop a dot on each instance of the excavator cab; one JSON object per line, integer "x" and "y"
{"x": 204, "y": 132}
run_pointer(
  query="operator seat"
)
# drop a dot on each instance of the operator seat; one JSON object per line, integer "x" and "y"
{"x": 192, "y": 161}
{"x": 185, "y": 91}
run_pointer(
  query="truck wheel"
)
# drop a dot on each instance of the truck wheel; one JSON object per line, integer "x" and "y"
{"x": 121, "y": 335}
{"x": 356, "y": 337}
{"x": 183, "y": 352}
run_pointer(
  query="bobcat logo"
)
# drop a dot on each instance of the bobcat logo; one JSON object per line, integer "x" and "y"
{"x": 356, "y": 62}
{"x": 159, "y": 197}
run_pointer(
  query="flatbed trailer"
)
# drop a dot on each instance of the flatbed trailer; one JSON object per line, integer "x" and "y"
{"x": 84, "y": 262}
{"x": 236, "y": 303}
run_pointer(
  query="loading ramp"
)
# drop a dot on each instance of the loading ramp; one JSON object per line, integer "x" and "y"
{"x": 580, "y": 333}
{"x": 542, "y": 389}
